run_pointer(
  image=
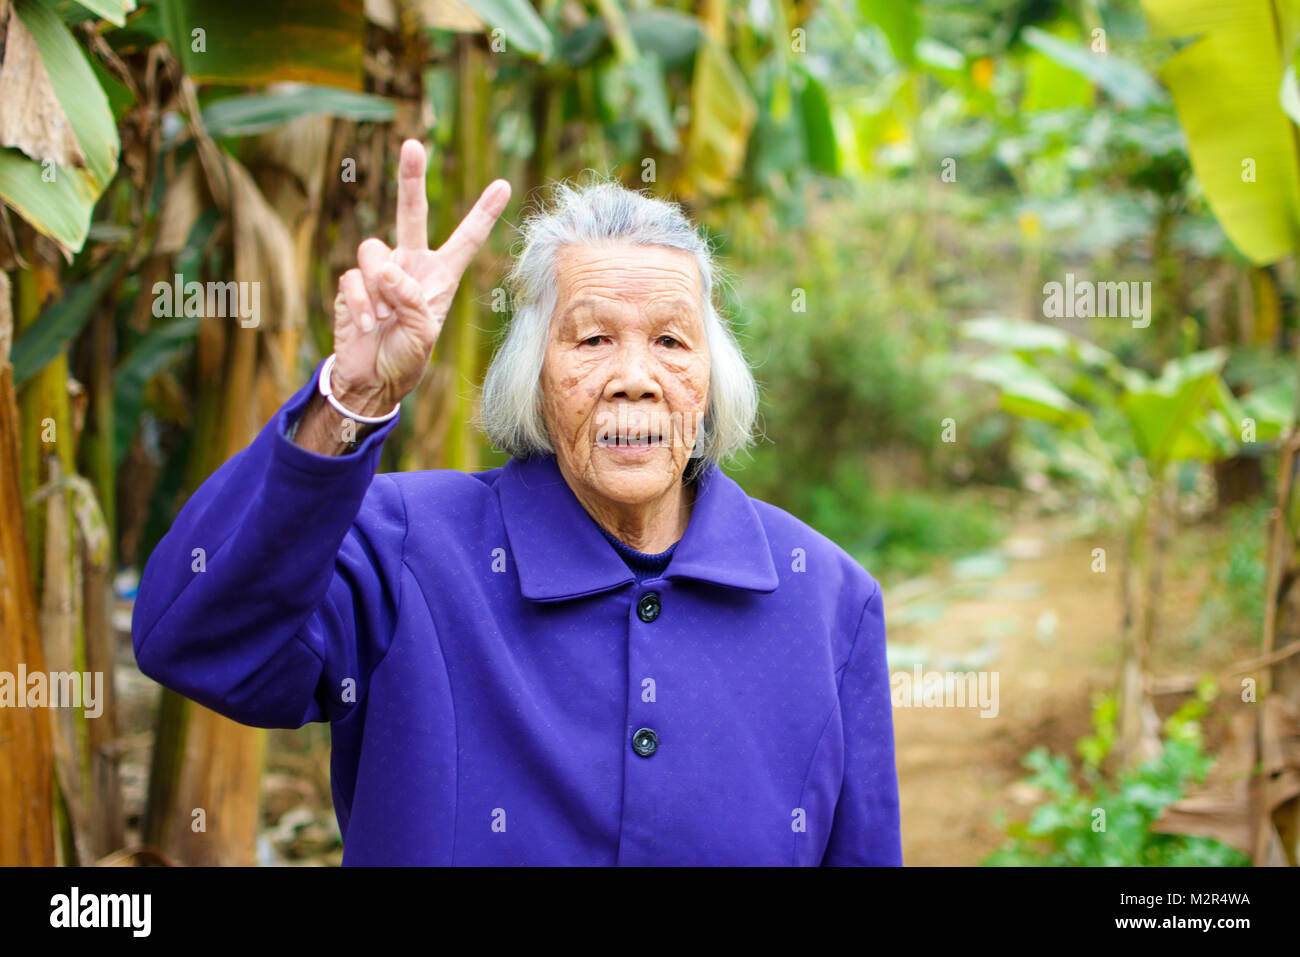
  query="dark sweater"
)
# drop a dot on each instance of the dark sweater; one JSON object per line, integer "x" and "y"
{"x": 643, "y": 566}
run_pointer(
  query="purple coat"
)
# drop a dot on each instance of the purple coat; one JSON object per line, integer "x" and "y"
{"x": 499, "y": 687}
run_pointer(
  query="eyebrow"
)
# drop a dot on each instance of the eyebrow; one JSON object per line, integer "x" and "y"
{"x": 578, "y": 304}
{"x": 679, "y": 303}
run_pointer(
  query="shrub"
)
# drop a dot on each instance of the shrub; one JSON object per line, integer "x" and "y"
{"x": 1105, "y": 825}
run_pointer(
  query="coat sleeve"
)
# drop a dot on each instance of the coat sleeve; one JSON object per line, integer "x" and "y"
{"x": 276, "y": 589}
{"x": 866, "y": 828}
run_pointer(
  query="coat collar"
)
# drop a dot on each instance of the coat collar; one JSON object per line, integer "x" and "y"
{"x": 560, "y": 553}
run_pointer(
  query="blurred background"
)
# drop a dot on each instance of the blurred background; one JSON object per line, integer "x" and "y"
{"x": 1016, "y": 278}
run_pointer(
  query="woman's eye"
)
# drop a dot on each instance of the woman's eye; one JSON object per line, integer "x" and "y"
{"x": 593, "y": 340}
{"x": 669, "y": 341}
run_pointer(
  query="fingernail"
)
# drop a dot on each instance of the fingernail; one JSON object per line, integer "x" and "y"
{"x": 367, "y": 322}
{"x": 392, "y": 274}
{"x": 382, "y": 310}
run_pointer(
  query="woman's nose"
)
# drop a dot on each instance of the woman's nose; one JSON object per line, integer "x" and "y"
{"x": 633, "y": 376}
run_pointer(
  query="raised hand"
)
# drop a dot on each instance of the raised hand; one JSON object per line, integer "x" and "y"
{"x": 390, "y": 309}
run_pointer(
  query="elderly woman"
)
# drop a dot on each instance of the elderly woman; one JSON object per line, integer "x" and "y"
{"x": 604, "y": 652}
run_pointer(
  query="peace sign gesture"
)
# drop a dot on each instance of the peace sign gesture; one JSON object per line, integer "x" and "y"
{"x": 390, "y": 308}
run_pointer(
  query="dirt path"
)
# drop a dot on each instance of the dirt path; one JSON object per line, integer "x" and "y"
{"x": 1036, "y": 615}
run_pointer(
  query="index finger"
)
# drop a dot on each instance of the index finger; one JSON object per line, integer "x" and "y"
{"x": 412, "y": 201}
{"x": 475, "y": 228}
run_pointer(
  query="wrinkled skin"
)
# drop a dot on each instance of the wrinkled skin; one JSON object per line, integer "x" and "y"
{"x": 625, "y": 384}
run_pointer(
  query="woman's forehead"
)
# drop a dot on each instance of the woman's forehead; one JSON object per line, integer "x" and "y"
{"x": 637, "y": 268}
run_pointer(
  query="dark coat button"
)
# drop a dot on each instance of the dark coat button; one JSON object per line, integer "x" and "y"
{"x": 647, "y": 609}
{"x": 645, "y": 742}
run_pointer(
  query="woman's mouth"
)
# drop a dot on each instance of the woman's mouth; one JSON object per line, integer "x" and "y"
{"x": 630, "y": 443}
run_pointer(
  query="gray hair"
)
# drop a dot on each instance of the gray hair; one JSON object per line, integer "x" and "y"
{"x": 605, "y": 212}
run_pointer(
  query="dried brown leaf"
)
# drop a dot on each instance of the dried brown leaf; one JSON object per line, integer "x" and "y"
{"x": 1234, "y": 798}
{"x": 32, "y": 119}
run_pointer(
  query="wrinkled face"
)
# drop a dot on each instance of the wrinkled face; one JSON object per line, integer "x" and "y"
{"x": 625, "y": 381}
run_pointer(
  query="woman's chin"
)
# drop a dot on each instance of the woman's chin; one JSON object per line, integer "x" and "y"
{"x": 634, "y": 473}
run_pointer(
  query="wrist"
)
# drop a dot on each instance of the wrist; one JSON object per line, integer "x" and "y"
{"x": 371, "y": 402}
{"x": 364, "y": 403}
{"x": 323, "y": 430}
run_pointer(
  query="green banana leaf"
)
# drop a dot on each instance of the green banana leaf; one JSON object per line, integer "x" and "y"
{"x": 670, "y": 35}
{"x": 1170, "y": 415}
{"x": 1124, "y": 82}
{"x": 1271, "y": 408}
{"x": 638, "y": 90}
{"x": 1226, "y": 86}
{"x": 60, "y": 322}
{"x": 258, "y": 112}
{"x": 114, "y": 11}
{"x": 1026, "y": 392}
{"x": 818, "y": 127}
{"x": 60, "y": 206}
{"x": 518, "y": 23}
{"x": 163, "y": 345}
{"x": 241, "y": 42}
{"x": 1028, "y": 338}
{"x": 899, "y": 21}
{"x": 722, "y": 117}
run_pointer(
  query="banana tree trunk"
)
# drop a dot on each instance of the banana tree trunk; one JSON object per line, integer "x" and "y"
{"x": 460, "y": 342}
{"x": 204, "y": 784}
{"x": 26, "y": 750}
{"x": 106, "y": 821}
{"x": 1139, "y": 728}
{"x": 48, "y": 464}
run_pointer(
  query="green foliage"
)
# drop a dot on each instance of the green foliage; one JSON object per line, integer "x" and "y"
{"x": 1116, "y": 414}
{"x": 58, "y": 198}
{"x": 1265, "y": 382}
{"x": 819, "y": 130}
{"x": 1242, "y": 576}
{"x": 852, "y": 401}
{"x": 308, "y": 41}
{"x": 1233, "y": 603}
{"x": 114, "y": 11}
{"x": 903, "y": 532}
{"x": 900, "y": 23}
{"x": 844, "y": 387}
{"x": 519, "y": 23}
{"x": 1128, "y": 84}
{"x": 1086, "y": 821}
{"x": 1094, "y": 747}
{"x": 1226, "y": 85}
{"x": 253, "y": 113}
{"x": 61, "y": 322}
{"x": 670, "y": 35}
{"x": 898, "y": 533}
